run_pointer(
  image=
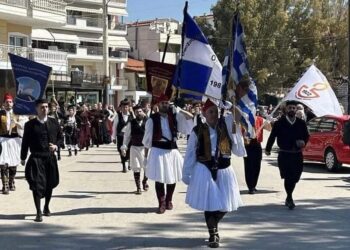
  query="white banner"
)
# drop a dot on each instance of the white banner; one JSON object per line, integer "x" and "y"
{"x": 314, "y": 91}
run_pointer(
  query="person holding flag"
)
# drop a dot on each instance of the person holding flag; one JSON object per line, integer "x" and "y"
{"x": 212, "y": 184}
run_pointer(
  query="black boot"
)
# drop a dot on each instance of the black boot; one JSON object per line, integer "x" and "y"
{"x": 59, "y": 154}
{"x": 137, "y": 182}
{"x": 144, "y": 183}
{"x": 124, "y": 168}
{"x": 170, "y": 188}
{"x": 161, "y": 197}
{"x": 75, "y": 151}
{"x": 12, "y": 175}
{"x": 69, "y": 152}
{"x": 213, "y": 238}
{"x": 5, "y": 179}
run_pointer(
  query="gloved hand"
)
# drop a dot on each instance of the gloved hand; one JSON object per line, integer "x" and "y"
{"x": 186, "y": 179}
{"x": 23, "y": 162}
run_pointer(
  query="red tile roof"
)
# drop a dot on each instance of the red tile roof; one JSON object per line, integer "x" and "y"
{"x": 135, "y": 65}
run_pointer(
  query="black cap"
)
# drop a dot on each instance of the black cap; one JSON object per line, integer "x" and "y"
{"x": 124, "y": 102}
{"x": 291, "y": 102}
{"x": 40, "y": 101}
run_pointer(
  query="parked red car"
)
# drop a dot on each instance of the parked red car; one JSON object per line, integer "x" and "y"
{"x": 329, "y": 141}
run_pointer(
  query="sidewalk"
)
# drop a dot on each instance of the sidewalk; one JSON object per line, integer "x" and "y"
{"x": 94, "y": 207}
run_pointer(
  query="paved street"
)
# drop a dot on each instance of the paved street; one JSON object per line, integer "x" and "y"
{"x": 94, "y": 208}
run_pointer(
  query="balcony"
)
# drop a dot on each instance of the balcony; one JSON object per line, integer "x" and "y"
{"x": 119, "y": 83}
{"x": 78, "y": 79}
{"x": 83, "y": 23}
{"x": 55, "y": 59}
{"x": 96, "y": 53}
{"x": 118, "y": 3}
{"x": 17, "y": 3}
{"x": 38, "y": 13}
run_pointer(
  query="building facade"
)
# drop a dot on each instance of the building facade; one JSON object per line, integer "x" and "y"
{"x": 147, "y": 40}
{"x": 81, "y": 37}
{"x": 17, "y": 19}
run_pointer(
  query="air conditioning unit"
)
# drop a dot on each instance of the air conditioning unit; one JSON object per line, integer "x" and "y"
{"x": 55, "y": 48}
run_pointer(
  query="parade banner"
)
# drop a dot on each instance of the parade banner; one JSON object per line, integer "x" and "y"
{"x": 31, "y": 80}
{"x": 159, "y": 78}
{"x": 314, "y": 91}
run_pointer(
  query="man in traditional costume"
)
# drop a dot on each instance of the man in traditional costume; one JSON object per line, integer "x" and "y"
{"x": 84, "y": 128}
{"x": 212, "y": 183}
{"x": 71, "y": 131}
{"x": 164, "y": 162}
{"x": 41, "y": 137}
{"x": 119, "y": 125}
{"x": 133, "y": 136}
{"x": 10, "y": 143}
{"x": 59, "y": 117}
{"x": 292, "y": 135}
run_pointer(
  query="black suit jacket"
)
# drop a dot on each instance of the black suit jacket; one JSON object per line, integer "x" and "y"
{"x": 33, "y": 134}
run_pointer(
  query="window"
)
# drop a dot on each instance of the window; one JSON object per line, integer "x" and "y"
{"x": 327, "y": 125}
{"x": 313, "y": 125}
{"x": 18, "y": 40}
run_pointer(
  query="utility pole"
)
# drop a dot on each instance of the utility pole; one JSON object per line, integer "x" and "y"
{"x": 106, "y": 78}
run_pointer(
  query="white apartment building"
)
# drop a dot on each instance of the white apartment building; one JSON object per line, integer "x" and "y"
{"x": 17, "y": 19}
{"x": 82, "y": 39}
{"x": 147, "y": 40}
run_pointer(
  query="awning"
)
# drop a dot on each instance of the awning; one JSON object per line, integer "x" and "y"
{"x": 119, "y": 42}
{"x": 88, "y": 10}
{"x": 90, "y": 37}
{"x": 54, "y": 36}
{"x": 117, "y": 11}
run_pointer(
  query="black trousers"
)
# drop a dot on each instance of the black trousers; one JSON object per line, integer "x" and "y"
{"x": 252, "y": 164}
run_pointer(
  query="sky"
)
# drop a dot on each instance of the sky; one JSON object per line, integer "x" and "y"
{"x": 151, "y": 9}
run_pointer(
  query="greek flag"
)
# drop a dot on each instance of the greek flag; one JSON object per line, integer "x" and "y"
{"x": 245, "y": 89}
{"x": 199, "y": 70}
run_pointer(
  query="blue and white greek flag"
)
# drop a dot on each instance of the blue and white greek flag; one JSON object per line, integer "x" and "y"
{"x": 246, "y": 92}
{"x": 200, "y": 69}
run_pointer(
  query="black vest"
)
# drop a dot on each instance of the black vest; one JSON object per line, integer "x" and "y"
{"x": 122, "y": 123}
{"x": 137, "y": 132}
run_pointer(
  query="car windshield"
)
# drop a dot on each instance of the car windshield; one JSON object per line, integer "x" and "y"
{"x": 346, "y": 133}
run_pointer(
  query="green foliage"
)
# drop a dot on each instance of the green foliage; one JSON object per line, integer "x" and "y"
{"x": 284, "y": 37}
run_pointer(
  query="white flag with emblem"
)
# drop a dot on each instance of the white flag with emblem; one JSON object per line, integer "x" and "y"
{"x": 314, "y": 91}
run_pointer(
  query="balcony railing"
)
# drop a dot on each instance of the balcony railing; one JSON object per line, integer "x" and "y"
{"x": 85, "y": 21}
{"x": 118, "y": 54}
{"x": 19, "y": 51}
{"x": 18, "y": 3}
{"x": 117, "y": 26}
{"x": 78, "y": 78}
{"x": 50, "y": 57}
{"x": 50, "y": 5}
{"x": 92, "y": 50}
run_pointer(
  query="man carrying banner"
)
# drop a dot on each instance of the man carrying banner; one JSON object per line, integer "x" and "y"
{"x": 164, "y": 162}
{"x": 212, "y": 184}
{"x": 10, "y": 144}
{"x": 292, "y": 135}
{"x": 133, "y": 135}
{"x": 42, "y": 137}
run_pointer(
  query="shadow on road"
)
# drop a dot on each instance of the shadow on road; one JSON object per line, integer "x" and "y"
{"x": 316, "y": 224}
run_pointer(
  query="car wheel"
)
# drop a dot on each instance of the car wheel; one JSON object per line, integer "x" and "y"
{"x": 331, "y": 161}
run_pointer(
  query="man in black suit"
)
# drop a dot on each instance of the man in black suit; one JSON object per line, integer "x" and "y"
{"x": 42, "y": 137}
{"x": 292, "y": 135}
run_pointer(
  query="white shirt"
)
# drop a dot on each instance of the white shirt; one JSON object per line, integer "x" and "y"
{"x": 8, "y": 119}
{"x": 43, "y": 120}
{"x": 115, "y": 124}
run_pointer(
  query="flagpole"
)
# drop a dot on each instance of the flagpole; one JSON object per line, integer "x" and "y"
{"x": 182, "y": 48}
